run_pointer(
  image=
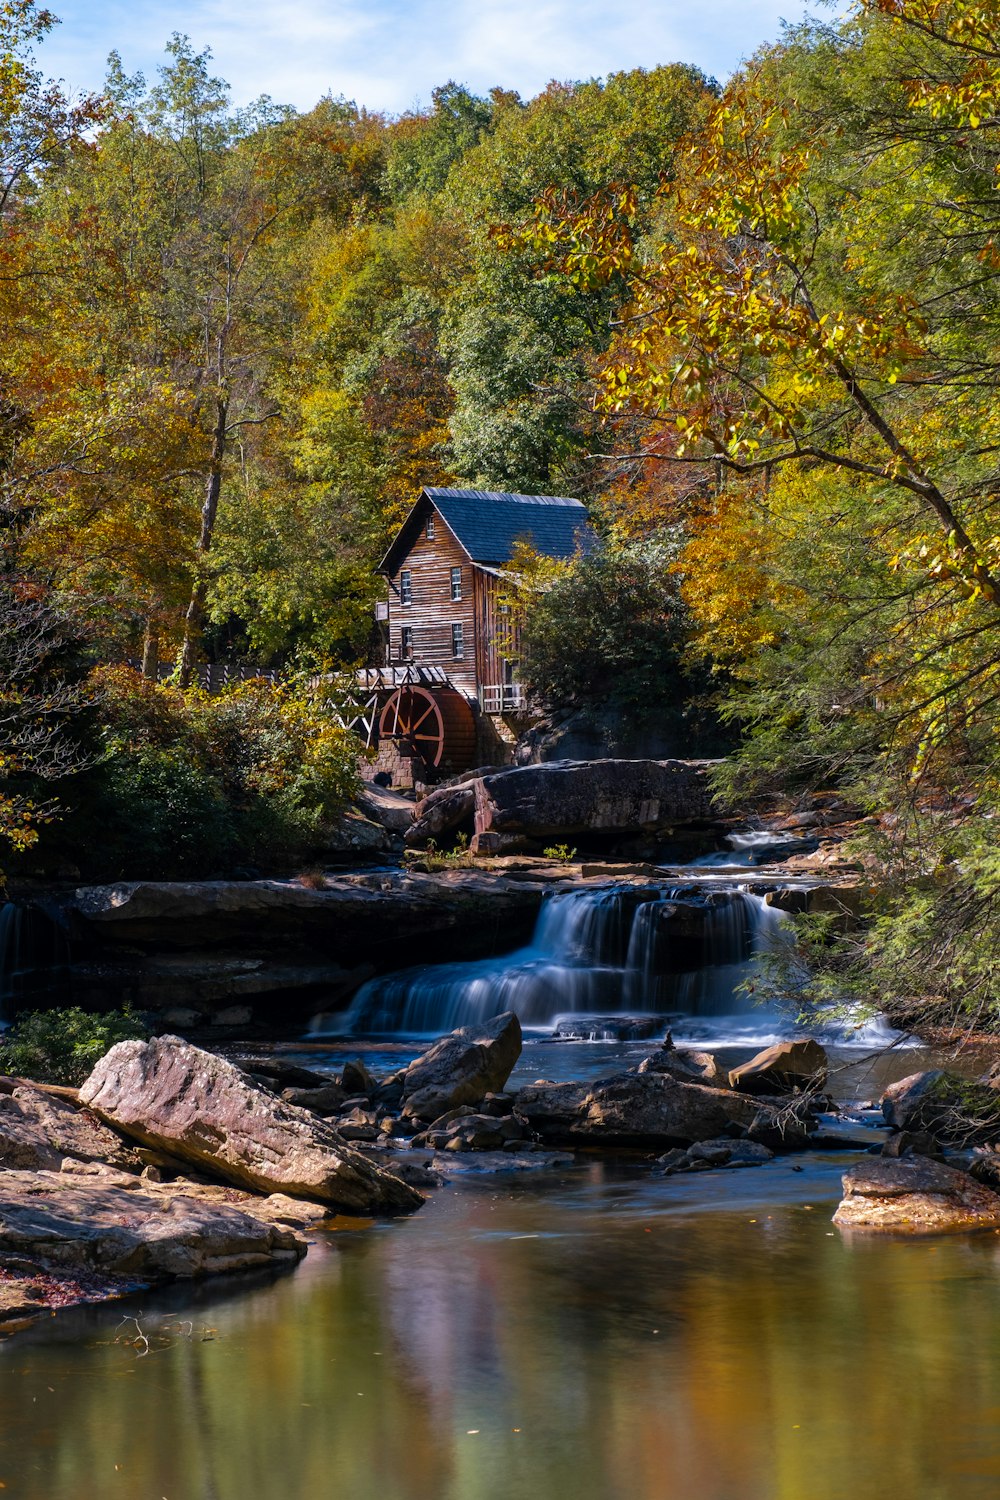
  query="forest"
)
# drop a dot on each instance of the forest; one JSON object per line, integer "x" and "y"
{"x": 755, "y": 328}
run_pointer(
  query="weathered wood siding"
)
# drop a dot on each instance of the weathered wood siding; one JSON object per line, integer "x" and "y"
{"x": 433, "y": 612}
{"x": 494, "y": 643}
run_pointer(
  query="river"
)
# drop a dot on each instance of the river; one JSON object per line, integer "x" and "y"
{"x": 590, "y": 1333}
{"x": 581, "y": 1332}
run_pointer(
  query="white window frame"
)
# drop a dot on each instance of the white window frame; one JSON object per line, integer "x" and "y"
{"x": 458, "y": 640}
{"x": 429, "y": 528}
{"x": 406, "y": 587}
{"x": 456, "y": 585}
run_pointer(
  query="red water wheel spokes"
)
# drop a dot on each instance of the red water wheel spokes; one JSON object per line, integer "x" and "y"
{"x": 413, "y": 716}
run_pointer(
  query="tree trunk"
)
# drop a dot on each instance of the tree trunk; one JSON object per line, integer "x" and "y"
{"x": 150, "y": 652}
{"x": 195, "y": 615}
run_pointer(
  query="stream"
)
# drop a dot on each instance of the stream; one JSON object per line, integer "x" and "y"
{"x": 590, "y": 1333}
{"x": 577, "y": 1332}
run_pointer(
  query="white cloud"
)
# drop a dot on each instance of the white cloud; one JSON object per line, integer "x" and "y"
{"x": 386, "y": 54}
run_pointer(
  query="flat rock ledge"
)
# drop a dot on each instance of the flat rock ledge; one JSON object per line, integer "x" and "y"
{"x": 66, "y": 1239}
{"x": 134, "y": 1231}
{"x": 203, "y": 1110}
{"x": 914, "y": 1195}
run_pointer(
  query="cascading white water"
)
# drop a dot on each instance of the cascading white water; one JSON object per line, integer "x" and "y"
{"x": 611, "y": 951}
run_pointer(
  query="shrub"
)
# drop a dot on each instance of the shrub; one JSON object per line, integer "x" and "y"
{"x": 192, "y": 785}
{"x": 610, "y": 631}
{"x": 63, "y": 1046}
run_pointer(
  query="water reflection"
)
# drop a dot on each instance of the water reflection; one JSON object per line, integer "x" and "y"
{"x": 595, "y": 1336}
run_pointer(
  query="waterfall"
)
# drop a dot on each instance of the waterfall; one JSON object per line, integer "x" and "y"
{"x": 34, "y": 959}
{"x": 623, "y": 950}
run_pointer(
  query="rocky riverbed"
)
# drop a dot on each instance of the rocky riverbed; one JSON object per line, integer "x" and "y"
{"x": 172, "y": 1162}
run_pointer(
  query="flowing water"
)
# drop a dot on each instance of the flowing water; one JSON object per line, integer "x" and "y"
{"x": 684, "y": 950}
{"x": 580, "y": 1332}
{"x": 688, "y": 955}
{"x": 586, "y": 1334}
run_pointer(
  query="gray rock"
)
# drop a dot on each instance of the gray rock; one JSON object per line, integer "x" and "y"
{"x": 497, "y": 1104}
{"x": 233, "y": 1015}
{"x": 719, "y": 1153}
{"x": 475, "y": 1132}
{"x": 783, "y": 1127}
{"x": 781, "y": 1068}
{"x": 913, "y": 1195}
{"x": 182, "y": 1017}
{"x": 196, "y": 1105}
{"x": 358, "y": 1125}
{"x": 688, "y": 1067}
{"x": 632, "y": 1109}
{"x": 326, "y": 1100}
{"x": 356, "y": 1079}
{"x": 565, "y": 798}
{"x": 63, "y": 1223}
{"x": 280, "y": 1074}
{"x": 609, "y": 1028}
{"x": 441, "y": 812}
{"x": 394, "y": 811}
{"x": 280, "y": 936}
{"x": 462, "y": 1068}
{"x": 38, "y": 1130}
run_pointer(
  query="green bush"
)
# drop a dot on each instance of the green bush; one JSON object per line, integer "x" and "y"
{"x": 612, "y": 632}
{"x": 63, "y": 1046}
{"x": 192, "y": 786}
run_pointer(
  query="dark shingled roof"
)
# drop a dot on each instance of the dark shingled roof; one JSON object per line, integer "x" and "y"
{"x": 488, "y": 523}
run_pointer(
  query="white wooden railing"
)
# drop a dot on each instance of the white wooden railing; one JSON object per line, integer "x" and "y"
{"x": 502, "y": 697}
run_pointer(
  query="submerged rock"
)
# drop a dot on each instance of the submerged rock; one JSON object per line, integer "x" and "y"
{"x": 462, "y": 1068}
{"x": 632, "y": 1109}
{"x": 201, "y": 1108}
{"x": 723, "y": 1152}
{"x": 781, "y": 1068}
{"x": 914, "y": 1195}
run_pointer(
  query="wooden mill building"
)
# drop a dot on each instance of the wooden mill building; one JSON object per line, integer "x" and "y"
{"x": 447, "y": 641}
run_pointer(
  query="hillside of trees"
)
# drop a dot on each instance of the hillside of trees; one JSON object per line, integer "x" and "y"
{"x": 755, "y": 328}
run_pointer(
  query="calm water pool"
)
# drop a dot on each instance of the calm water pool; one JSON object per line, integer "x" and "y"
{"x": 586, "y": 1334}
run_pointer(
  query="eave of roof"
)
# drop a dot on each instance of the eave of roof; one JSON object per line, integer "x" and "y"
{"x": 487, "y": 523}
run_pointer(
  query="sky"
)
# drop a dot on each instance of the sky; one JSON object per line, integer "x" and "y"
{"x": 389, "y": 54}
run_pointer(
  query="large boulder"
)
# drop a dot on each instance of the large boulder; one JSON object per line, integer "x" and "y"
{"x": 955, "y": 1109}
{"x": 567, "y": 798}
{"x": 441, "y": 812}
{"x": 204, "y": 1110}
{"x": 462, "y": 1068}
{"x": 633, "y": 1109}
{"x": 914, "y": 1195}
{"x": 61, "y": 1222}
{"x": 781, "y": 1068}
{"x": 199, "y": 944}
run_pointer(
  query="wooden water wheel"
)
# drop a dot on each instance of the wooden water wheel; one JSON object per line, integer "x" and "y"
{"x": 438, "y": 727}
